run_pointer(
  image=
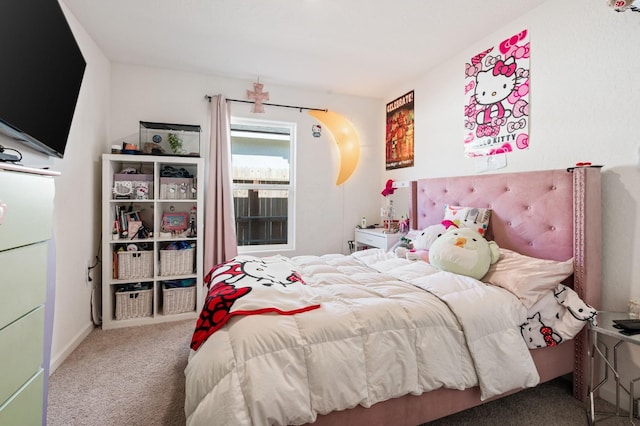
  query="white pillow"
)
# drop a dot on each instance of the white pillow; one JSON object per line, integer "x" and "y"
{"x": 528, "y": 278}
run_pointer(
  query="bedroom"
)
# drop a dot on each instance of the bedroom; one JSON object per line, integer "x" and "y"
{"x": 586, "y": 100}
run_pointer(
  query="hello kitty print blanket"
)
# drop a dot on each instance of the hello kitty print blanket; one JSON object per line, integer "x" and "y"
{"x": 248, "y": 285}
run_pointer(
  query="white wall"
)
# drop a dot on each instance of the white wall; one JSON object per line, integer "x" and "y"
{"x": 584, "y": 103}
{"x": 77, "y": 202}
{"x": 76, "y": 233}
{"x": 326, "y": 214}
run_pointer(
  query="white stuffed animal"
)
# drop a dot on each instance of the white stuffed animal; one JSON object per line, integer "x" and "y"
{"x": 420, "y": 242}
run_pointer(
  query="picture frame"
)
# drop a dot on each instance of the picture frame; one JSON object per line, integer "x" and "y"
{"x": 175, "y": 221}
{"x": 134, "y": 228}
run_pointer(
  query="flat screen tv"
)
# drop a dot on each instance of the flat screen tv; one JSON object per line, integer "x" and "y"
{"x": 41, "y": 70}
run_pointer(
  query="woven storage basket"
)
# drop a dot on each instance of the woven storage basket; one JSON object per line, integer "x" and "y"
{"x": 134, "y": 304}
{"x": 176, "y": 262}
{"x": 135, "y": 264}
{"x": 179, "y": 299}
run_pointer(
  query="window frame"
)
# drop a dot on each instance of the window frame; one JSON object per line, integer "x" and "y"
{"x": 290, "y": 187}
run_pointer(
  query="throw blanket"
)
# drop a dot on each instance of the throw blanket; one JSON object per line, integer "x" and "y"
{"x": 248, "y": 285}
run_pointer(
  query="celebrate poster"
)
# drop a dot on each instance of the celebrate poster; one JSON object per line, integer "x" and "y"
{"x": 399, "y": 137}
{"x": 497, "y": 98}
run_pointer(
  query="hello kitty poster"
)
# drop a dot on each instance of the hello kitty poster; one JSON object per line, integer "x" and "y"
{"x": 497, "y": 98}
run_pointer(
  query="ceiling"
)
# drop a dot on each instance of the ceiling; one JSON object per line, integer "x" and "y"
{"x": 356, "y": 47}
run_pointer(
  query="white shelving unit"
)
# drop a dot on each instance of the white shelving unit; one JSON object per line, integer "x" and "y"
{"x": 152, "y": 264}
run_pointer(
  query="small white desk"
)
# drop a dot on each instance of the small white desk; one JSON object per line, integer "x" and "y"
{"x": 375, "y": 237}
{"x": 605, "y": 327}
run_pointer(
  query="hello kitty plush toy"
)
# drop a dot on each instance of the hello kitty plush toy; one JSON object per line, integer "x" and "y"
{"x": 418, "y": 249}
{"x": 422, "y": 243}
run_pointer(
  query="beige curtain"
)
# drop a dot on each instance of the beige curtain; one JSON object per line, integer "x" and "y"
{"x": 220, "y": 235}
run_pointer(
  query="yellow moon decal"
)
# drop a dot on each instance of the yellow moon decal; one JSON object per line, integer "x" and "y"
{"x": 346, "y": 138}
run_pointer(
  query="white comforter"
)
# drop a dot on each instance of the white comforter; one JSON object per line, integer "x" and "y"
{"x": 386, "y": 327}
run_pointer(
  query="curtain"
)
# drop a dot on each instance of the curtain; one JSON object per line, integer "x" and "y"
{"x": 220, "y": 235}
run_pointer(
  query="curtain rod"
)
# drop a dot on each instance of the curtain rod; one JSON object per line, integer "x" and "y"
{"x": 208, "y": 97}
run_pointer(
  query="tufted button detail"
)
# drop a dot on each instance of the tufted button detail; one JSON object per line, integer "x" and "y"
{"x": 508, "y": 223}
{"x": 473, "y": 190}
{"x": 530, "y": 243}
{"x": 528, "y": 207}
{"x": 553, "y": 228}
{"x": 553, "y": 187}
{"x": 507, "y": 189}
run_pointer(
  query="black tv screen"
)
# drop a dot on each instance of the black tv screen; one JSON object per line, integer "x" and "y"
{"x": 40, "y": 74}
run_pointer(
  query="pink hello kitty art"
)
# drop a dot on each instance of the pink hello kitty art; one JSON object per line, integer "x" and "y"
{"x": 497, "y": 98}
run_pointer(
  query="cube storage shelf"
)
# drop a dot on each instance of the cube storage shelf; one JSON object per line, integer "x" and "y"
{"x": 155, "y": 250}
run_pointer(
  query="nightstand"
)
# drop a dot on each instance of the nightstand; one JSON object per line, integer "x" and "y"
{"x": 376, "y": 237}
{"x": 605, "y": 327}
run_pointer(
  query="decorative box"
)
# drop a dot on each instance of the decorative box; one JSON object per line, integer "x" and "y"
{"x": 132, "y": 186}
{"x": 169, "y": 139}
{"x": 177, "y": 188}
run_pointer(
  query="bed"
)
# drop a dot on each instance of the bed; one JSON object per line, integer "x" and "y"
{"x": 552, "y": 215}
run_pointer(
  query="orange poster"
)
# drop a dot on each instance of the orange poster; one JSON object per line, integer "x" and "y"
{"x": 399, "y": 140}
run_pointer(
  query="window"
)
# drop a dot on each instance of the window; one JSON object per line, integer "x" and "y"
{"x": 262, "y": 159}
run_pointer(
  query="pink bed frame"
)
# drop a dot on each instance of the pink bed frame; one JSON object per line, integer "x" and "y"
{"x": 553, "y": 214}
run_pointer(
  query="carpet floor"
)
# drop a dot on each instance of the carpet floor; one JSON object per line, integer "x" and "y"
{"x": 135, "y": 377}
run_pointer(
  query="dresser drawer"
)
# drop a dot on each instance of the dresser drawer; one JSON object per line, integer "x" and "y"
{"x": 376, "y": 238}
{"x": 371, "y": 240}
{"x": 25, "y": 406}
{"x": 21, "y": 351}
{"x": 23, "y": 283}
{"x": 26, "y": 208}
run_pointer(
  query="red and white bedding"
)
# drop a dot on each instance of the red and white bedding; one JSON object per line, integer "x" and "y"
{"x": 385, "y": 327}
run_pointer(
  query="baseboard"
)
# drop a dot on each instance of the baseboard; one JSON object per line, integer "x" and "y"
{"x": 57, "y": 361}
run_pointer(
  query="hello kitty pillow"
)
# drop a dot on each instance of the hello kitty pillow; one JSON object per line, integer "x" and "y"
{"x": 468, "y": 217}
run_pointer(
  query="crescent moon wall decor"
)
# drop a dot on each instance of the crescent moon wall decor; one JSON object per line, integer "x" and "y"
{"x": 346, "y": 138}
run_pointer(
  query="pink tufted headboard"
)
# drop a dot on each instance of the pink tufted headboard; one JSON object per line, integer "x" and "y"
{"x": 531, "y": 212}
{"x": 551, "y": 214}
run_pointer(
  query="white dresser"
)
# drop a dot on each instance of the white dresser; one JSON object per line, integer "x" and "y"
{"x": 26, "y": 220}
